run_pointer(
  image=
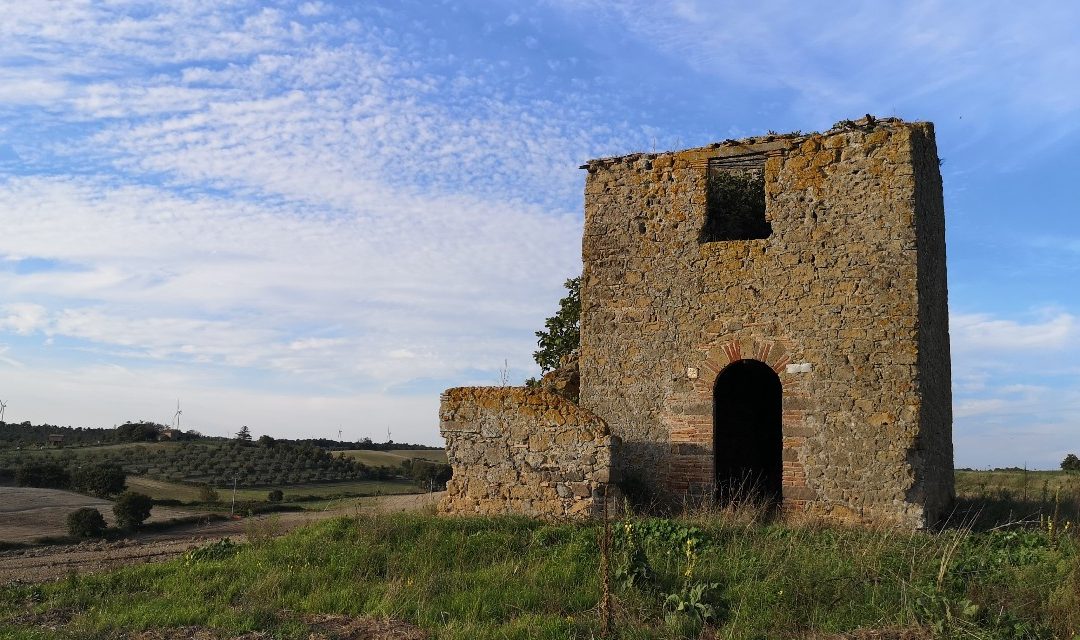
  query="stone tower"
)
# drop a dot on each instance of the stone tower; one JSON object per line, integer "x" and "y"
{"x": 771, "y": 314}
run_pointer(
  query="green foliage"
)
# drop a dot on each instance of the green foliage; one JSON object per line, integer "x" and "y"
{"x": 26, "y": 434}
{"x": 244, "y": 434}
{"x": 132, "y": 509}
{"x": 42, "y": 474}
{"x": 275, "y": 496}
{"x": 428, "y": 473}
{"x": 86, "y": 523}
{"x": 214, "y": 463}
{"x": 1070, "y": 463}
{"x": 266, "y": 441}
{"x": 561, "y": 333}
{"x": 103, "y": 479}
{"x": 735, "y": 207}
{"x": 688, "y": 602}
{"x": 207, "y": 493}
{"x": 138, "y": 431}
{"x": 213, "y": 552}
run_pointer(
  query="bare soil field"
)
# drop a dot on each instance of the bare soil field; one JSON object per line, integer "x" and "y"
{"x": 42, "y": 564}
{"x": 27, "y": 514}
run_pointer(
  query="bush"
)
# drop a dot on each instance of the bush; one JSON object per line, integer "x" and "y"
{"x": 1070, "y": 463}
{"x": 47, "y": 475}
{"x": 86, "y": 523}
{"x": 132, "y": 509}
{"x": 428, "y": 474}
{"x": 275, "y": 496}
{"x": 207, "y": 493}
{"x": 102, "y": 480}
{"x": 138, "y": 431}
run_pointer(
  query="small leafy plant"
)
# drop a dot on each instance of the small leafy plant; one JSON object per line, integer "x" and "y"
{"x": 213, "y": 552}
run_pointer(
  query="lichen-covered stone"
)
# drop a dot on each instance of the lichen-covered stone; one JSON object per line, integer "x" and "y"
{"x": 849, "y": 288}
{"x": 565, "y": 380}
{"x": 523, "y": 450}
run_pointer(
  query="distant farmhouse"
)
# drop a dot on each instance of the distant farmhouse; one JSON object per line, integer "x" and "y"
{"x": 763, "y": 318}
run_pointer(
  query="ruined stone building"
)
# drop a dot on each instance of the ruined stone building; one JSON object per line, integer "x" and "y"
{"x": 766, "y": 315}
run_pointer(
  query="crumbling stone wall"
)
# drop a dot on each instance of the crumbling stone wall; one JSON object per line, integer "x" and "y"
{"x": 845, "y": 298}
{"x": 523, "y": 450}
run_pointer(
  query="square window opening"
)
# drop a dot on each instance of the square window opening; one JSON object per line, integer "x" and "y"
{"x": 735, "y": 200}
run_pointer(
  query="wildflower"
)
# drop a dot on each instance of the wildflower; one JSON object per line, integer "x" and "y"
{"x": 691, "y": 558}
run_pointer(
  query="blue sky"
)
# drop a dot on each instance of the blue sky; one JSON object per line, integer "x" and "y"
{"x": 306, "y": 216}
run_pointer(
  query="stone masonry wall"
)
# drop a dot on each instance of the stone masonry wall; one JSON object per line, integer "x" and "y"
{"x": 846, "y": 300}
{"x": 525, "y": 451}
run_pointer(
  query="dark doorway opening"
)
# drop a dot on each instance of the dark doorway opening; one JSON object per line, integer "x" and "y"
{"x": 748, "y": 432}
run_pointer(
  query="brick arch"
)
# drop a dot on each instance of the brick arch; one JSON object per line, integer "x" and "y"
{"x": 687, "y": 413}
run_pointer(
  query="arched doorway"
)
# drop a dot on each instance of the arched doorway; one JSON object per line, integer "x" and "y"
{"x": 748, "y": 432}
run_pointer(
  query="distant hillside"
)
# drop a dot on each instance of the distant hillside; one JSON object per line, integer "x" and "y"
{"x": 215, "y": 462}
{"x": 25, "y": 434}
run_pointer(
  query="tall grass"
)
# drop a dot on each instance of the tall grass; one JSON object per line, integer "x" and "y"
{"x": 519, "y": 578}
{"x": 988, "y": 499}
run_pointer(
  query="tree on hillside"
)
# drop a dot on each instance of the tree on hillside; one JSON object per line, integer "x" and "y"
{"x": 1070, "y": 463}
{"x": 131, "y": 509}
{"x": 244, "y": 434}
{"x": 562, "y": 331}
{"x": 86, "y": 523}
{"x": 42, "y": 474}
{"x": 267, "y": 441}
{"x": 138, "y": 431}
{"x": 427, "y": 473}
{"x": 102, "y": 480}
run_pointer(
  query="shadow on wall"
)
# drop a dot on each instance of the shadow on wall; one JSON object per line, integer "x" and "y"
{"x": 637, "y": 480}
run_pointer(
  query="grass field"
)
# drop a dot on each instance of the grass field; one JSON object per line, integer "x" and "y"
{"x": 988, "y": 498}
{"x": 188, "y": 493}
{"x": 724, "y": 575}
{"x": 1028, "y": 485}
{"x": 394, "y": 458}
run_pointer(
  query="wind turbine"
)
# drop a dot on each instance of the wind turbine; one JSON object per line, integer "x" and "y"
{"x": 2, "y": 407}
{"x": 176, "y": 416}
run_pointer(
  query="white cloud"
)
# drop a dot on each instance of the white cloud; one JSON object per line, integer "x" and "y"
{"x": 214, "y": 280}
{"x": 11, "y": 362}
{"x": 978, "y": 406}
{"x": 30, "y": 90}
{"x": 1014, "y": 387}
{"x": 22, "y": 318}
{"x": 315, "y": 199}
{"x": 975, "y": 331}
